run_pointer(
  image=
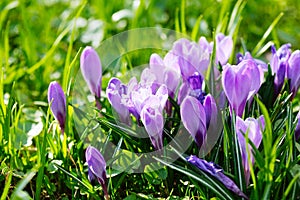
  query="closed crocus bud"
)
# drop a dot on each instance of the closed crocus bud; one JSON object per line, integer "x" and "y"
{"x": 96, "y": 167}
{"x": 279, "y": 65}
{"x": 217, "y": 172}
{"x": 254, "y": 128}
{"x": 194, "y": 119}
{"x": 91, "y": 70}
{"x": 240, "y": 82}
{"x": 211, "y": 111}
{"x": 57, "y": 102}
{"x": 293, "y": 72}
{"x": 224, "y": 48}
{"x": 115, "y": 92}
{"x": 152, "y": 118}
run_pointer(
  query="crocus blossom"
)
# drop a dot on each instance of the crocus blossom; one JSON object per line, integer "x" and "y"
{"x": 279, "y": 65}
{"x": 293, "y": 72}
{"x": 57, "y": 102}
{"x": 165, "y": 74}
{"x": 91, "y": 70}
{"x": 252, "y": 128}
{"x": 191, "y": 57}
{"x": 240, "y": 82}
{"x": 115, "y": 92}
{"x": 96, "y": 167}
{"x": 194, "y": 119}
{"x": 217, "y": 172}
{"x": 152, "y": 118}
{"x": 224, "y": 48}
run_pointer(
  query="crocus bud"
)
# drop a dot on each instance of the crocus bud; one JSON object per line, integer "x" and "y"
{"x": 91, "y": 70}
{"x": 153, "y": 121}
{"x": 115, "y": 93}
{"x": 194, "y": 119}
{"x": 254, "y": 128}
{"x": 279, "y": 65}
{"x": 57, "y": 102}
{"x": 240, "y": 82}
{"x": 96, "y": 167}
{"x": 293, "y": 72}
{"x": 217, "y": 172}
{"x": 224, "y": 48}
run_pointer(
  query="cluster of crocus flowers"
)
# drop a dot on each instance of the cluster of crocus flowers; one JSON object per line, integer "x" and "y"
{"x": 96, "y": 168}
{"x": 285, "y": 64}
{"x": 91, "y": 70}
{"x": 57, "y": 102}
{"x": 145, "y": 100}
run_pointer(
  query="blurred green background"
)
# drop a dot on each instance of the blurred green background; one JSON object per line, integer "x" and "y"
{"x": 35, "y": 36}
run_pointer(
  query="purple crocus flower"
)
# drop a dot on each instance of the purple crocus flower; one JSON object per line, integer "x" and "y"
{"x": 164, "y": 74}
{"x": 293, "y": 72}
{"x": 193, "y": 117}
{"x": 57, "y": 102}
{"x": 217, "y": 172}
{"x": 261, "y": 64}
{"x": 240, "y": 82}
{"x": 279, "y": 65}
{"x": 96, "y": 167}
{"x": 191, "y": 57}
{"x": 253, "y": 128}
{"x": 297, "y": 129}
{"x": 223, "y": 48}
{"x": 115, "y": 92}
{"x": 91, "y": 70}
{"x": 152, "y": 118}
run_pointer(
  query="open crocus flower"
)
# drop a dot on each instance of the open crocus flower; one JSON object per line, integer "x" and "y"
{"x": 96, "y": 167}
{"x": 164, "y": 74}
{"x": 240, "y": 82}
{"x": 253, "y": 128}
{"x": 57, "y": 102}
{"x": 293, "y": 72}
{"x": 217, "y": 172}
{"x": 91, "y": 70}
{"x": 194, "y": 119}
{"x": 279, "y": 65}
{"x": 191, "y": 57}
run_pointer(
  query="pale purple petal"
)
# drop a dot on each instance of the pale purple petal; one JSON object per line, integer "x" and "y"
{"x": 194, "y": 119}
{"x": 91, "y": 70}
{"x": 57, "y": 101}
